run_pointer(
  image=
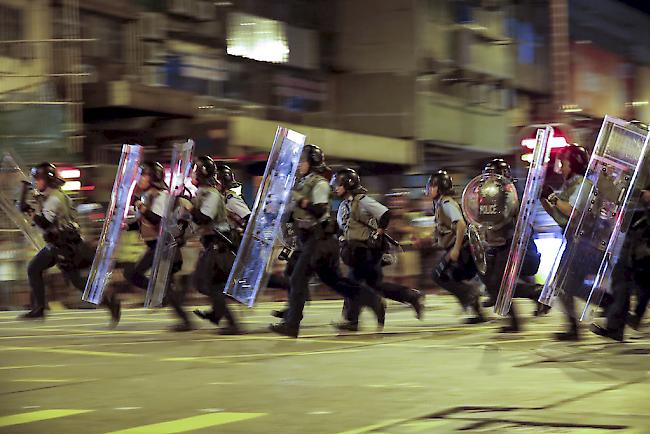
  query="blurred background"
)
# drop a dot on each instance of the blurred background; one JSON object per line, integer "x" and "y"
{"x": 393, "y": 88}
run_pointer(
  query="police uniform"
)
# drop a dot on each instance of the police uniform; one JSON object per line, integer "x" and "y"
{"x": 358, "y": 217}
{"x": 147, "y": 224}
{"x": 238, "y": 213}
{"x": 447, "y": 275}
{"x": 210, "y": 218}
{"x": 574, "y": 284}
{"x": 56, "y": 218}
{"x": 318, "y": 253}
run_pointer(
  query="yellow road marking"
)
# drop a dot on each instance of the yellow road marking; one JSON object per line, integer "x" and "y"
{"x": 66, "y": 351}
{"x": 35, "y": 416}
{"x": 48, "y": 380}
{"x": 368, "y": 428}
{"x": 189, "y": 423}
{"x": 3, "y": 368}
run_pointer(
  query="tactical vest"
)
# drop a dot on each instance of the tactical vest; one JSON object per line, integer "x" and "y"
{"x": 304, "y": 219}
{"x": 66, "y": 215}
{"x": 357, "y": 227}
{"x": 64, "y": 227}
{"x": 233, "y": 219}
{"x": 445, "y": 233}
{"x": 220, "y": 221}
{"x": 148, "y": 230}
{"x": 570, "y": 186}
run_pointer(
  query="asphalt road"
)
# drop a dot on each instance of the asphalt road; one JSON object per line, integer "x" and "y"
{"x": 70, "y": 374}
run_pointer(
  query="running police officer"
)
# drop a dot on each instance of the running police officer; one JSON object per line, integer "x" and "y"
{"x": 317, "y": 251}
{"x": 149, "y": 210}
{"x": 452, "y": 266}
{"x": 55, "y": 216}
{"x": 363, "y": 222}
{"x": 498, "y": 242}
{"x": 217, "y": 257}
{"x": 573, "y": 160}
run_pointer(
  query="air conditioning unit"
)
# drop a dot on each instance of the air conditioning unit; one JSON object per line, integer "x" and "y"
{"x": 207, "y": 11}
{"x": 153, "y": 25}
{"x": 153, "y": 53}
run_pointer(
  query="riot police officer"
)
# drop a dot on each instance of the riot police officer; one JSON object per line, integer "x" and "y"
{"x": 498, "y": 242}
{"x": 317, "y": 251}
{"x": 216, "y": 259}
{"x": 149, "y": 211}
{"x": 452, "y": 265}
{"x": 363, "y": 222}
{"x": 55, "y": 216}
{"x": 574, "y": 160}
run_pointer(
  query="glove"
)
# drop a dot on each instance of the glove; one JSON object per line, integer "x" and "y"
{"x": 547, "y": 191}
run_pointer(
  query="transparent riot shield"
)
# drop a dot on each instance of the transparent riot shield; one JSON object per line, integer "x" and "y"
{"x": 126, "y": 178}
{"x": 596, "y": 229}
{"x": 16, "y": 189}
{"x": 525, "y": 220}
{"x": 168, "y": 244}
{"x": 489, "y": 203}
{"x": 251, "y": 269}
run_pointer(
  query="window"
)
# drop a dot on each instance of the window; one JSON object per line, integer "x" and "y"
{"x": 257, "y": 38}
{"x": 12, "y": 28}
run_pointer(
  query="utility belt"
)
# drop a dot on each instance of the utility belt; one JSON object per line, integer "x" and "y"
{"x": 463, "y": 269}
{"x": 72, "y": 253}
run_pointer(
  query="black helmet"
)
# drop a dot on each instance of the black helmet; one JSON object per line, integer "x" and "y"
{"x": 314, "y": 156}
{"x": 442, "y": 180}
{"x": 206, "y": 170}
{"x": 48, "y": 172}
{"x": 498, "y": 166}
{"x": 157, "y": 173}
{"x": 226, "y": 176}
{"x": 347, "y": 178}
{"x": 577, "y": 156}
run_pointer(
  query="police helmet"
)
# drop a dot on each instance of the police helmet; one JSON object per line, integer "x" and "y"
{"x": 156, "y": 172}
{"x": 226, "y": 176}
{"x": 205, "y": 170}
{"x": 577, "y": 156}
{"x": 48, "y": 172}
{"x": 442, "y": 180}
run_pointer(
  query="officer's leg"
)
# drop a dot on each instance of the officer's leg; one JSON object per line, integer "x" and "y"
{"x": 299, "y": 283}
{"x": 135, "y": 273}
{"x": 204, "y": 280}
{"x": 176, "y": 296}
{"x": 617, "y": 311}
{"x": 44, "y": 259}
{"x": 466, "y": 294}
{"x": 225, "y": 261}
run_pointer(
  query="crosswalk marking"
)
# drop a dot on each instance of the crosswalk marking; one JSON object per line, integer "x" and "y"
{"x": 36, "y": 416}
{"x": 189, "y": 423}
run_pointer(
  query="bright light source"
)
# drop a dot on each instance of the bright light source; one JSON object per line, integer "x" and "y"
{"x": 257, "y": 38}
{"x": 71, "y": 186}
{"x": 69, "y": 173}
{"x": 554, "y": 142}
{"x": 549, "y": 248}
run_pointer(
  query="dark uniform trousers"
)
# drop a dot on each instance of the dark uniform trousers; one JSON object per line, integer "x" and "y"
{"x": 497, "y": 260}
{"x": 212, "y": 271}
{"x": 135, "y": 274}
{"x": 366, "y": 267}
{"x": 444, "y": 276}
{"x": 318, "y": 253}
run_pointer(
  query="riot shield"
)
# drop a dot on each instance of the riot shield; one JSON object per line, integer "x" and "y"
{"x": 167, "y": 244}
{"x": 596, "y": 229}
{"x": 126, "y": 178}
{"x": 15, "y": 188}
{"x": 489, "y": 203}
{"x": 524, "y": 225}
{"x": 251, "y": 269}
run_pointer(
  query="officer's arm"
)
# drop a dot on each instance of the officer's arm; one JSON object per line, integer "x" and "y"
{"x": 384, "y": 220}
{"x": 45, "y": 219}
{"x": 461, "y": 228}
{"x": 564, "y": 207}
{"x": 199, "y": 218}
{"x": 317, "y": 206}
{"x": 151, "y": 216}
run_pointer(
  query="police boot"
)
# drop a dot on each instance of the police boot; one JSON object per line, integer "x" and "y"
{"x": 571, "y": 335}
{"x": 418, "y": 303}
{"x": 616, "y": 335}
{"x": 36, "y": 313}
{"x": 114, "y": 306}
{"x": 346, "y": 326}
{"x": 284, "y": 329}
{"x": 478, "y": 317}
